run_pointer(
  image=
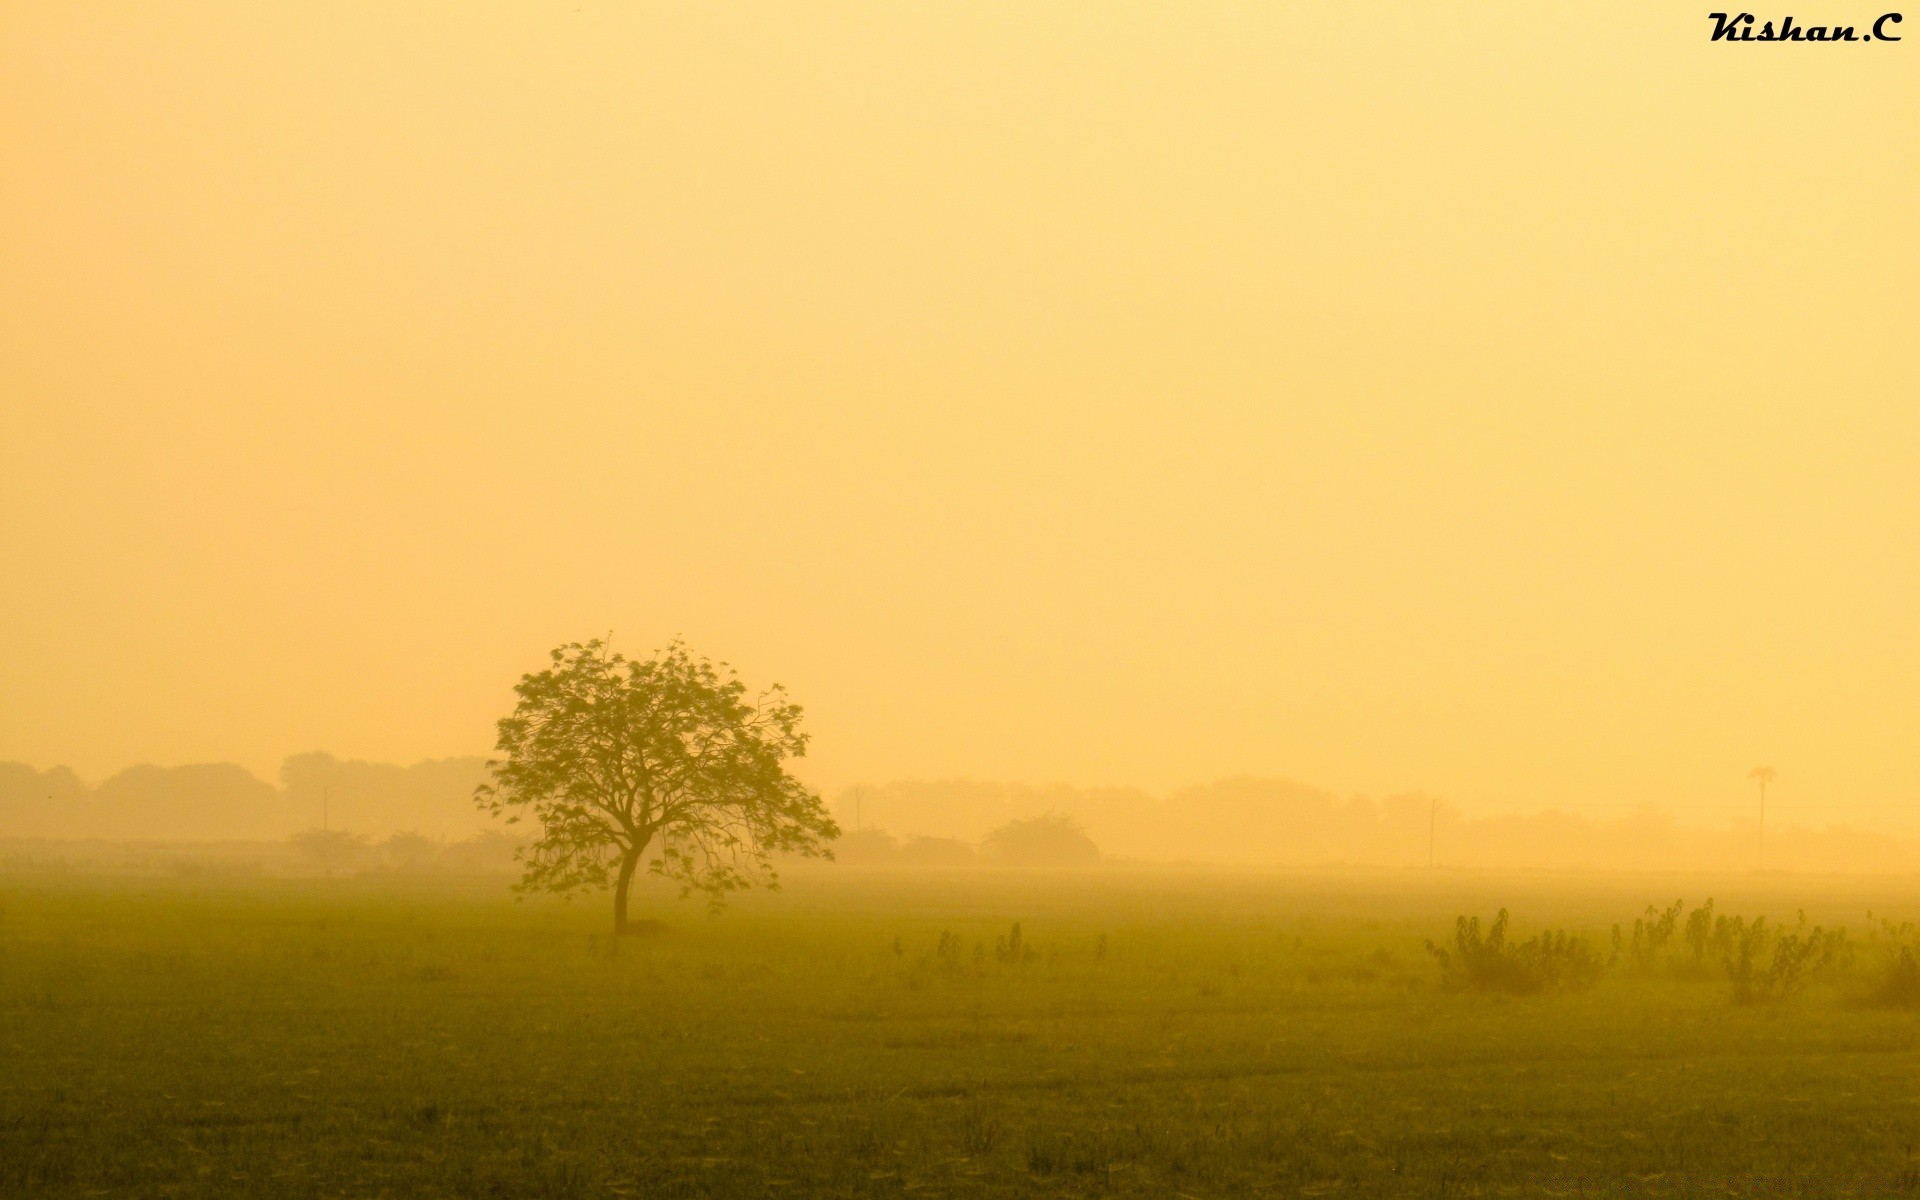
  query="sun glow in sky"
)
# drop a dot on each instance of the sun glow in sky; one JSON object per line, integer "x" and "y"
{"x": 1511, "y": 401}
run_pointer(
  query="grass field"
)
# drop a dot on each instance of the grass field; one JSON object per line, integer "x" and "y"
{"x": 1154, "y": 1034}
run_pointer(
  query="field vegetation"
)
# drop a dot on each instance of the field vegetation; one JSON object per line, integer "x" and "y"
{"x": 1105, "y": 1032}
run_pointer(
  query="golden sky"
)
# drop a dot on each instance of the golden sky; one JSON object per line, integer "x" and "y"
{"x": 1515, "y": 401}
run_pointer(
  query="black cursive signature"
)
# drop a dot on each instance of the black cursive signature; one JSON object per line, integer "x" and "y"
{"x": 1741, "y": 29}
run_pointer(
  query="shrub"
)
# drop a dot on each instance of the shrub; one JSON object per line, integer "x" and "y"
{"x": 951, "y": 951}
{"x": 1795, "y": 957}
{"x": 1551, "y": 961}
{"x": 489, "y": 850}
{"x": 1652, "y": 932}
{"x": 1700, "y": 929}
{"x": 1899, "y": 986}
{"x": 1010, "y": 948}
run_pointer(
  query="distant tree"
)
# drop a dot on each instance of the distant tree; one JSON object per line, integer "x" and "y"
{"x": 1765, "y": 775}
{"x": 1052, "y": 840}
{"x": 332, "y": 849}
{"x": 409, "y": 849}
{"x": 616, "y": 758}
{"x": 867, "y": 848}
{"x": 490, "y": 850}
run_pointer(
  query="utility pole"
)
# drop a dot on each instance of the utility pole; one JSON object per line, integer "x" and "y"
{"x": 1433, "y": 825}
{"x": 1765, "y": 775}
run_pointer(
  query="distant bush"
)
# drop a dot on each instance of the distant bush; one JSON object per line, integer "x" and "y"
{"x": 1899, "y": 986}
{"x": 878, "y": 848}
{"x": 1897, "y": 983}
{"x": 1012, "y": 949}
{"x": 1729, "y": 933}
{"x": 331, "y": 849}
{"x": 1699, "y": 933}
{"x": 1767, "y": 964}
{"x": 1652, "y": 932}
{"x": 1488, "y": 962}
{"x": 491, "y": 850}
{"x": 866, "y": 848}
{"x": 410, "y": 851}
{"x": 1051, "y": 840}
{"x": 1763, "y": 961}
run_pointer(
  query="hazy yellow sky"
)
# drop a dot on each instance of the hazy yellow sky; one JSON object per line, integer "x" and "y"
{"x": 1512, "y": 401}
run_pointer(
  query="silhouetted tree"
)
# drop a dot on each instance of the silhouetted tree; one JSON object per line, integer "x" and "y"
{"x": 867, "y": 847}
{"x": 616, "y": 757}
{"x": 410, "y": 849}
{"x": 1052, "y": 840}
{"x": 331, "y": 848}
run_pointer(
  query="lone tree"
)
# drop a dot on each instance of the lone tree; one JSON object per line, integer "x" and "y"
{"x": 617, "y": 757}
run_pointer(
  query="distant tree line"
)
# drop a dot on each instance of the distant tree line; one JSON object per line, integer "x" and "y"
{"x": 213, "y": 802}
{"x": 1047, "y": 840}
{"x": 1278, "y": 821}
{"x": 1229, "y": 821}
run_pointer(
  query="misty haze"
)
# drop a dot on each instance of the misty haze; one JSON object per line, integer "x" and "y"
{"x": 882, "y": 600}
{"x": 1244, "y": 822}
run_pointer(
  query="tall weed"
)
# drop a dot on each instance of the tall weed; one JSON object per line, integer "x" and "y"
{"x": 1487, "y": 962}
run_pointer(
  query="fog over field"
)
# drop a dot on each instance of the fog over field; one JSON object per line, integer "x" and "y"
{"x": 1189, "y": 599}
{"x": 1238, "y": 822}
{"x": 1483, "y": 405}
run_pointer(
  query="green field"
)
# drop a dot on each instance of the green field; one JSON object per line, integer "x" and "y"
{"x": 1156, "y": 1034}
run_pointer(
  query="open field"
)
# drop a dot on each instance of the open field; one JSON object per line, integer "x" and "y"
{"x": 1155, "y": 1034}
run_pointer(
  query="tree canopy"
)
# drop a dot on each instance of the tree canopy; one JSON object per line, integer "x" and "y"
{"x": 664, "y": 760}
{"x": 1049, "y": 840}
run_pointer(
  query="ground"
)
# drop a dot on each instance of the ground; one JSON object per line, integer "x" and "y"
{"x": 1149, "y": 1033}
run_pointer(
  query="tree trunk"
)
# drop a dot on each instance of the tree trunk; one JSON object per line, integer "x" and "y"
{"x": 628, "y": 861}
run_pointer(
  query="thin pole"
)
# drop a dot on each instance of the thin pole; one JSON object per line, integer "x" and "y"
{"x": 1433, "y": 823}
